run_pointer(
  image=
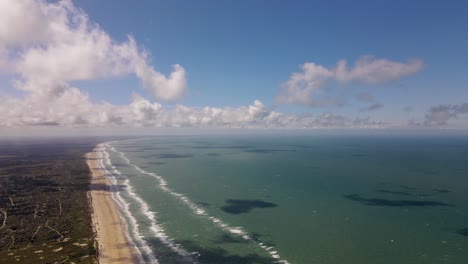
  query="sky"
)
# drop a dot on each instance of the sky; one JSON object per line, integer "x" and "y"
{"x": 233, "y": 64}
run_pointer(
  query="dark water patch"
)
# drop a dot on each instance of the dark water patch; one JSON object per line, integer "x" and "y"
{"x": 406, "y": 187}
{"x": 157, "y": 163}
{"x": 463, "y": 232}
{"x": 165, "y": 254}
{"x": 268, "y": 151}
{"x": 154, "y": 148}
{"x": 172, "y": 156}
{"x": 301, "y": 146}
{"x": 393, "y": 192}
{"x": 204, "y": 204}
{"x": 213, "y": 154}
{"x": 223, "y": 147}
{"x": 424, "y": 195}
{"x": 212, "y": 255}
{"x": 441, "y": 190}
{"x": 393, "y": 203}
{"x": 226, "y": 238}
{"x": 237, "y": 206}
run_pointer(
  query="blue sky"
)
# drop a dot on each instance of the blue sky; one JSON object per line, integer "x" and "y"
{"x": 235, "y": 52}
{"x": 238, "y": 51}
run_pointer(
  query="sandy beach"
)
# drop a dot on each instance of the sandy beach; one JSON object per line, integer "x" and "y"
{"x": 110, "y": 231}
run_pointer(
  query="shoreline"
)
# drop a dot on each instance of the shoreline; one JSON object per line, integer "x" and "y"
{"x": 110, "y": 231}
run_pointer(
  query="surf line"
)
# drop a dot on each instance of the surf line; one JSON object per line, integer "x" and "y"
{"x": 239, "y": 231}
{"x": 123, "y": 207}
{"x": 113, "y": 174}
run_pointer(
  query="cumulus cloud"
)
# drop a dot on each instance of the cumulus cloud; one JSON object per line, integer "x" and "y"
{"x": 440, "y": 115}
{"x": 371, "y": 70}
{"x": 307, "y": 86}
{"x": 73, "y": 108}
{"x": 48, "y": 45}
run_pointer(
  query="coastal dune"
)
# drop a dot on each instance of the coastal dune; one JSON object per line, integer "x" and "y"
{"x": 113, "y": 244}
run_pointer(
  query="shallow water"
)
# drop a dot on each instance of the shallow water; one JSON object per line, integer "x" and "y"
{"x": 295, "y": 199}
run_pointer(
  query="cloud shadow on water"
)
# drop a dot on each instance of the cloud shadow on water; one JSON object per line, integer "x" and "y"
{"x": 236, "y": 206}
{"x": 393, "y": 203}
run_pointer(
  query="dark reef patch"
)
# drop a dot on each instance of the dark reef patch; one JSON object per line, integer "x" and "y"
{"x": 237, "y": 206}
{"x": 218, "y": 255}
{"x": 226, "y": 238}
{"x": 463, "y": 232}
{"x": 393, "y": 203}
{"x": 157, "y": 163}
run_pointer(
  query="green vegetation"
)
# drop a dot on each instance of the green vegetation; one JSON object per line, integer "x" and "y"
{"x": 44, "y": 210}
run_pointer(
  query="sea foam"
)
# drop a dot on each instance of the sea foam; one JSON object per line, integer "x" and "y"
{"x": 112, "y": 173}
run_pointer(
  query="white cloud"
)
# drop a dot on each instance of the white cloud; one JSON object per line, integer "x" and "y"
{"x": 162, "y": 87}
{"x": 371, "y": 70}
{"x": 440, "y": 115}
{"x": 301, "y": 86}
{"x": 50, "y": 44}
{"x": 307, "y": 87}
{"x": 73, "y": 108}
{"x": 45, "y": 46}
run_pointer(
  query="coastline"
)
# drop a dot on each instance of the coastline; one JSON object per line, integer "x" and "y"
{"x": 110, "y": 232}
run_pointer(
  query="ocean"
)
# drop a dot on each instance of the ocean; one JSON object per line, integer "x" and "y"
{"x": 328, "y": 199}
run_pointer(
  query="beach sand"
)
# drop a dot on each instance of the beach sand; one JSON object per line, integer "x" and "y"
{"x": 114, "y": 246}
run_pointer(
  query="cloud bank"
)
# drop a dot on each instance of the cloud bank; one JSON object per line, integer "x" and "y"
{"x": 48, "y": 45}
{"x": 440, "y": 115}
{"x": 307, "y": 86}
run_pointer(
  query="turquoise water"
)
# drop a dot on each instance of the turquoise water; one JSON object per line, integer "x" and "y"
{"x": 295, "y": 199}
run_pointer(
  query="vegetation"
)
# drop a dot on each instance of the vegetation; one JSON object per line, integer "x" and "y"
{"x": 44, "y": 209}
